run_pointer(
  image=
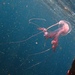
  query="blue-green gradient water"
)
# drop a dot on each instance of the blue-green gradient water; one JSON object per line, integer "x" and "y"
{"x": 20, "y": 57}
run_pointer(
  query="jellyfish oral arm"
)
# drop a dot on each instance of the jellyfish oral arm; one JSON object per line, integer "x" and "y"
{"x": 54, "y": 42}
{"x": 51, "y": 35}
{"x": 43, "y": 29}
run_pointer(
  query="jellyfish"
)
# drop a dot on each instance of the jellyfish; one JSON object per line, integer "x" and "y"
{"x": 64, "y": 28}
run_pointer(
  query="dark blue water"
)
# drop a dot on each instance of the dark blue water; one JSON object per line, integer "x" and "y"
{"x": 15, "y": 56}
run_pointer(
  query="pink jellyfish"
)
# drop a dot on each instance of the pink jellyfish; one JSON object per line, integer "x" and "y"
{"x": 64, "y": 28}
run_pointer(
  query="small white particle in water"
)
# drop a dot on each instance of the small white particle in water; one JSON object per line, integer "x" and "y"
{"x": 8, "y": 3}
{"x": 36, "y": 42}
{"x": 29, "y": 62}
{"x": 26, "y": 6}
{"x": 4, "y": 3}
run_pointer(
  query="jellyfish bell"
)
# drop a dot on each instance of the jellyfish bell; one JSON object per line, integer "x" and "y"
{"x": 65, "y": 26}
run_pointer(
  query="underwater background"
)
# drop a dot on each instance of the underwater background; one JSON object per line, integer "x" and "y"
{"x": 22, "y": 53}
